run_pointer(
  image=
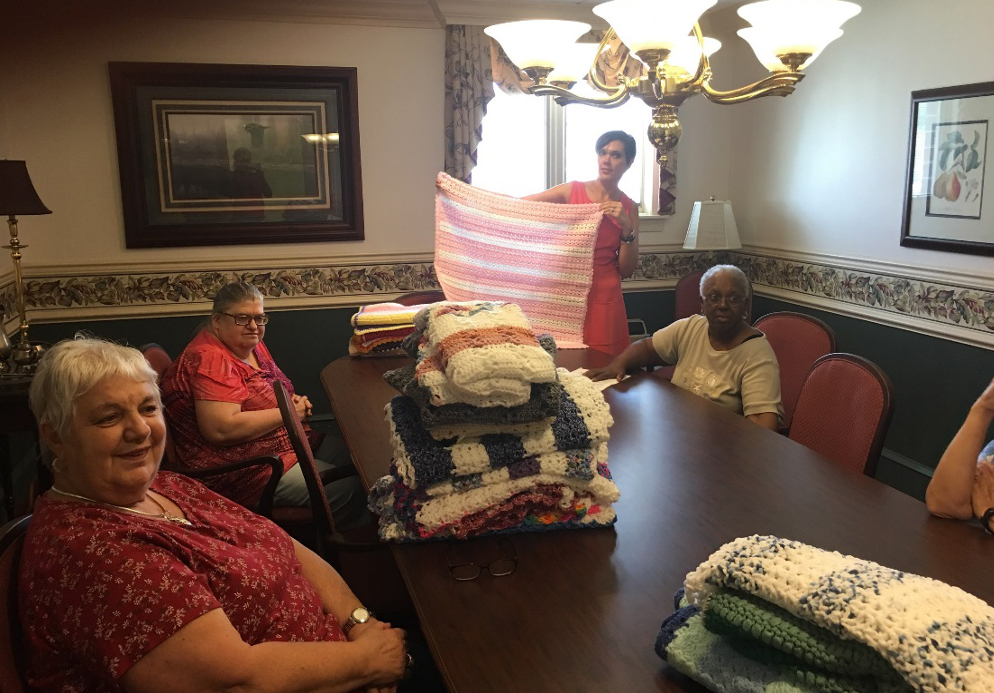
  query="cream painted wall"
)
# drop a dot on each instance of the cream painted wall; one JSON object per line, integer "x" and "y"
{"x": 57, "y": 116}
{"x": 824, "y": 169}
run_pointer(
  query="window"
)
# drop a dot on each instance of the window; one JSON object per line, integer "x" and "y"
{"x": 531, "y": 143}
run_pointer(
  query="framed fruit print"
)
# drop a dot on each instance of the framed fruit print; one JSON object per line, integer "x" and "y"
{"x": 948, "y": 170}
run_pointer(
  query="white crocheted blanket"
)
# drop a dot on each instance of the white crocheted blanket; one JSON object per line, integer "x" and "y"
{"x": 937, "y": 637}
{"x": 539, "y": 255}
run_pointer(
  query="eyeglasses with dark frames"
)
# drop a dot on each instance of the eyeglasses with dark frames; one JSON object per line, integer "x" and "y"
{"x": 733, "y": 301}
{"x": 242, "y": 319}
{"x": 500, "y": 567}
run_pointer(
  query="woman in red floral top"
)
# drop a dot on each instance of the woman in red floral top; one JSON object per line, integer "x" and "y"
{"x": 142, "y": 581}
{"x": 221, "y": 408}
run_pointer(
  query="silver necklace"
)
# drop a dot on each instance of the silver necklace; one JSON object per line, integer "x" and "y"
{"x": 164, "y": 516}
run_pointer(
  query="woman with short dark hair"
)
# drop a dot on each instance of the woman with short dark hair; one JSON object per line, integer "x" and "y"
{"x": 617, "y": 248}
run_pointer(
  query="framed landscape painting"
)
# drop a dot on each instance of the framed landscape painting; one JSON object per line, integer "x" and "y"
{"x": 948, "y": 170}
{"x": 233, "y": 154}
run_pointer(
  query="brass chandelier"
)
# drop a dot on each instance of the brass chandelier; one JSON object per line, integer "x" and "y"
{"x": 665, "y": 36}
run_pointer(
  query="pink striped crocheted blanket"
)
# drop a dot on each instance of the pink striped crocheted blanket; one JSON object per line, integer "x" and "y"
{"x": 539, "y": 255}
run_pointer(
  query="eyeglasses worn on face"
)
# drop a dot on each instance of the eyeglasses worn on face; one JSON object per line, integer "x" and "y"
{"x": 501, "y": 567}
{"x": 733, "y": 301}
{"x": 242, "y": 320}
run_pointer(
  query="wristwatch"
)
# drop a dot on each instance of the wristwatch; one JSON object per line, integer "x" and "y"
{"x": 361, "y": 614}
{"x": 629, "y": 238}
{"x": 985, "y": 520}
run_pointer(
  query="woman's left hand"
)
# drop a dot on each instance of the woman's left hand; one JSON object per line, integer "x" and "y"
{"x": 303, "y": 406}
{"x": 616, "y": 211}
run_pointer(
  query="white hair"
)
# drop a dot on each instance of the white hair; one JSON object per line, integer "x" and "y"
{"x": 737, "y": 275}
{"x": 72, "y": 367}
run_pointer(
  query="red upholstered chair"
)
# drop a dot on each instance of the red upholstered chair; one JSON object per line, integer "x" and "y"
{"x": 688, "y": 302}
{"x": 688, "y": 295}
{"x": 11, "y": 637}
{"x": 416, "y": 298}
{"x": 160, "y": 360}
{"x": 844, "y": 410}
{"x": 798, "y": 341}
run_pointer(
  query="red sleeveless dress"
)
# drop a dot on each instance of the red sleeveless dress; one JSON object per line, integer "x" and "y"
{"x": 606, "y": 325}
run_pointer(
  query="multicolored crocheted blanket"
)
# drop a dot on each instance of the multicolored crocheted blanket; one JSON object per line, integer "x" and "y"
{"x": 385, "y": 315}
{"x": 481, "y": 353}
{"x": 539, "y": 255}
{"x": 542, "y": 403}
{"x": 541, "y": 494}
{"x": 581, "y": 423}
{"x": 764, "y": 614}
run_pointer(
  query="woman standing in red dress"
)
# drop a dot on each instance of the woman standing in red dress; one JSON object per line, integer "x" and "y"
{"x": 616, "y": 250}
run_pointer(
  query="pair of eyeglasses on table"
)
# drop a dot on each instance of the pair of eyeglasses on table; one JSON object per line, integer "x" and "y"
{"x": 464, "y": 570}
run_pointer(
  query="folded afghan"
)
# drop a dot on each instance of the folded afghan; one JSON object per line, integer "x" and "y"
{"x": 538, "y": 255}
{"x": 385, "y": 315}
{"x": 542, "y": 403}
{"x": 764, "y": 613}
{"x": 581, "y": 423}
{"x": 481, "y": 353}
{"x": 549, "y": 495}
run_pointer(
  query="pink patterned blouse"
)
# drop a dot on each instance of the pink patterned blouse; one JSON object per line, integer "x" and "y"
{"x": 208, "y": 371}
{"x": 101, "y": 588}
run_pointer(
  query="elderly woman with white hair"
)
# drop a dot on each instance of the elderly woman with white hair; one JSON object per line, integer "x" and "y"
{"x": 718, "y": 355}
{"x": 139, "y": 580}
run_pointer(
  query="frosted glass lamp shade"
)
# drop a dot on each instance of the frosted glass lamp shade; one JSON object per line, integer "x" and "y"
{"x": 712, "y": 227}
{"x": 762, "y": 46}
{"x": 575, "y": 63}
{"x": 798, "y": 26}
{"x": 686, "y": 54}
{"x": 652, "y": 24}
{"x": 536, "y": 42}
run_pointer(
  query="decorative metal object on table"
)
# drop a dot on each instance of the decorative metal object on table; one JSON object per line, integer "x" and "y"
{"x": 18, "y": 197}
{"x": 786, "y": 35}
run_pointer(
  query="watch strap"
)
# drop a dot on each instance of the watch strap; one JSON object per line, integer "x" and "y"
{"x": 985, "y": 520}
{"x": 629, "y": 238}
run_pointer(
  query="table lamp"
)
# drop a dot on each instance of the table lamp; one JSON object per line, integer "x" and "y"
{"x": 712, "y": 227}
{"x": 18, "y": 197}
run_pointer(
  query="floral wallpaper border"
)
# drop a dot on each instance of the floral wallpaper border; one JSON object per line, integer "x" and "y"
{"x": 905, "y": 299}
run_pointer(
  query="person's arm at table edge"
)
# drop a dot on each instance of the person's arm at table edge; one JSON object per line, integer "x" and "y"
{"x": 638, "y": 355}
{"x": 949, "y": 493}
{"x": 224, "y": 423}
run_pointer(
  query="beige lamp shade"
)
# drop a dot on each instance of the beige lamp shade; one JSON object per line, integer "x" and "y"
{"x": 712, "y": 227}
{"x": 652, "y": 24}
{"x": 536, "y": 42}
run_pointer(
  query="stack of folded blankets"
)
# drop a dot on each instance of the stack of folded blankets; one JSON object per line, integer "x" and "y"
{"x": 488, "y": 435}
{"x": 769, "y": 614}
{"x": 379, "y": 329}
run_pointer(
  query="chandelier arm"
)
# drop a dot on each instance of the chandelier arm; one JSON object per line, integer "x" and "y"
{"x": 592, "y": 72}
{"x": 779, "y": 84}
{"x": 565, "y": 96}
{"x": 703, "y": 65}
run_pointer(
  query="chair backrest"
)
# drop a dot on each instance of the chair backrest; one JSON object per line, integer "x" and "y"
{"x": 157, "y": 358}
{"x": 11, "y": 637}
{"x": 688, "y": 295}
{"x": 798, "y": 341}
{"x": 323, "y": 520}
{"x": 416, "y": 298}
{"x": 844, "y": 410}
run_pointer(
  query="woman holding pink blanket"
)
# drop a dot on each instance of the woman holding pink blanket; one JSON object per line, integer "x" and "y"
{"x": 616, "y": 251}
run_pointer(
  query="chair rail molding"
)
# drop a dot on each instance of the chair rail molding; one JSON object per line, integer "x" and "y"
{"x": 942, "y": 303}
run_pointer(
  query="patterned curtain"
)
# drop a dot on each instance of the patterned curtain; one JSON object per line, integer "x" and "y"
{"x": 469, "y": 86}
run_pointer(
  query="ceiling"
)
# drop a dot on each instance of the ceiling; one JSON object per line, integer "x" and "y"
{"x": 409, "y": 13}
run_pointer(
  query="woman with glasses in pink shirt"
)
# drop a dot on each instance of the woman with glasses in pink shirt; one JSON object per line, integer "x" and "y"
{"x": 220, "y": 407}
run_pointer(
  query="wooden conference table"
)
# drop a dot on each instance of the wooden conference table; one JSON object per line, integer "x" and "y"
{"x": 582, "y": 609}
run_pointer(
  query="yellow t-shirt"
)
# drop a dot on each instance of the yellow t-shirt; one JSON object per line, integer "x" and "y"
{"x": 745, "y": 379}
